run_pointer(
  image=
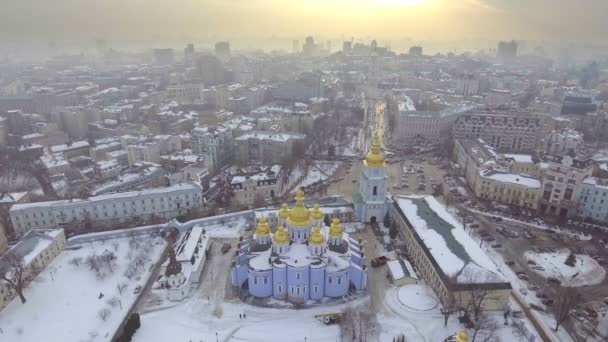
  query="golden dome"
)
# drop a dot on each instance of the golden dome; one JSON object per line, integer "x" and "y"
{"x": 299, "y": 216}
{"x": 280, "y": 237}
{"x": 462, "y": 336}
{"x": 316, "y": 238}
{"x": 284, "y": 212}
{"x": 375, "y": 157}
{"x": 317, "y": 214}
{"x": 335, "y": 231}
{"x": 263, "y": 228}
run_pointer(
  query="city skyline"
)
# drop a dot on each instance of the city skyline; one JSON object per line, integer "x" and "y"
{"x": 254, "y": 23}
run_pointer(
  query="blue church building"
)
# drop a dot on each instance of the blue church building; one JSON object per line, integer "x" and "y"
{"x": 302, "y": 260}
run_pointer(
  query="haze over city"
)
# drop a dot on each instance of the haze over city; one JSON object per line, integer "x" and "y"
{"x": 271, "y": 24}
{"x": 314, "y": 170}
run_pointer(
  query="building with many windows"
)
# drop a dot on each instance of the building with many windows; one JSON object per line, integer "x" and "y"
{"x": 504, "y": 131}
{"x": 215, "y": 142}
{"x": 592, "y": 198}
{"x": 265, "y": 146}
{"x": 302, "y": 260}
{"x": 165, "y": 203}
{"x": 562, "y": 175}
{"x": 263, "y": 183}
{"x": 508, "y": 188}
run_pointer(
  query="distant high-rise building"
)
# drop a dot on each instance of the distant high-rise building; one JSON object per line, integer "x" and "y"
{"x": 309, "y": 48}
{"x": 222, "y": 50}
{"x": 347, "y": 47}
{"x": 374, "y": 45}
{"x": 211, "y": 71}
{"x": 416, "y": 51}
{"x": 163, "y": 56}
{"x": 295, "y": 46}
{"x": 189, "y": 52}
{"x": 507, "y": 51}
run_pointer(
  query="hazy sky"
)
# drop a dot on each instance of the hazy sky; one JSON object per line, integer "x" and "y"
{"x": 36, "y": 21}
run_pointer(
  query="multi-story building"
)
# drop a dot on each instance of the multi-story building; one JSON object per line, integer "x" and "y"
{"x": 305, "y": 87}
{"x": 163, "y": 203}
{"x": 562, "y": 175}
{"x": 508, "y": 188}
{"x": 186, "y": 93}
{"x": 466, "y": 85}
{"x": 55, "y": 164}
{"x": 140, "y": 176}
{"x": 504, "y": 131}
{"x": 144, "y": 152}
{"x": 564, "y": 141}
{"x": 446, "y": 257}
{"x": 37, "y": 249}
{"x": 472, "y": 156}
{"x": 216, "y": 143}
{"x": 75, "y": 149}
{"x": 266, "y": 147}
{"x": 592, "y": 198}
{"x": 260, "y": 183}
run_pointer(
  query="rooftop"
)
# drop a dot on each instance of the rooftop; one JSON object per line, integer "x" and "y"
{"x": 456, "y": 256}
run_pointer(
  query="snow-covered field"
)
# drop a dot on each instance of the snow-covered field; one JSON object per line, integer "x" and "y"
{"x": 63, "y": 301}
{"x": 585, "y": 272}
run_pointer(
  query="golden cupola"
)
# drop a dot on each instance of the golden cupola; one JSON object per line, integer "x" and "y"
{"x": 263, "y": 229}
{"x": 316, "y": 238}
{"x": 280, "y": 237}
{"x": 375, "y": 157}
{"x": 317, "y": 214}
{"x": 284, "y": 212}
{"x": 335, "y": 231}
{"x": 299, "y": 216}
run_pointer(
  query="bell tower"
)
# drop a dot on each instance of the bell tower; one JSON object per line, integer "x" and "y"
{"x": 371, "y": 204}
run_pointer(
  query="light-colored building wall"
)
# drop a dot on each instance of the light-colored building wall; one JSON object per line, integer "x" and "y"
{"x": 164, "y": 203}
{"x": 592, "y": 198}
{"x": 36, "y": 250}
{"x": 508, "y": 188}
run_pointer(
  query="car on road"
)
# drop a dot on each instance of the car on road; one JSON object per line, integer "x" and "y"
{"x": 379, "y": 261}
{"x": 541, "y": 294}
{"x": 531, "y": 262}
{"x": 547, "y": 301}
{"x": 533, "y": 288}
{"x": 523, "y": 277}
{"x": 225, "y": 248}
{"x": 510, "y": 263}
{"x": 497, "y": 245}
{"x": 538, "y": 268}
{"x": 553, "y": 280}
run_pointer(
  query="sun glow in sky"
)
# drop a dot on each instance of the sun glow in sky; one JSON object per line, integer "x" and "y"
{"x": 253, "y": 21}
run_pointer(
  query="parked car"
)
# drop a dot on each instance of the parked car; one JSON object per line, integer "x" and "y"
{"x": 225, "y": 248}
{"x": 531, "y": 262}
{"x": 510, "y": 263}
{"x": 538, "y": 268}
{"x": 554, "y": 280}
{"x": 379, "y": 261}
{"x": 547, "y": 301}
{"x": 541, "y": 294}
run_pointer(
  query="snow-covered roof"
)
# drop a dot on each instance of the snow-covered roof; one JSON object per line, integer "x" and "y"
{"x": 72, "y": 146}
{"x": 177, "y": 187}
{"x": 271, "y": 136}
{"x": 448, "y": 246}
{"x": 512, "y": 178}
{"x": 520, "y": 158}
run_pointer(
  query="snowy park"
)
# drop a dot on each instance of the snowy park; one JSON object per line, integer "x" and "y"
{"x": 583, "y": 272}
{"x": 85, "y": 293}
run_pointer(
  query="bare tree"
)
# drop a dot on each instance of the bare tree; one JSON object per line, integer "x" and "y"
{"x": 11, "y": 271}
{"x": 448, "y": 307}
{"x": 104, "y": 314}
{"x": 566, "y": 299}
{"x": 76, "y": 261}
{"x": 121, "y": 287}
{"x": 484, "y": 326}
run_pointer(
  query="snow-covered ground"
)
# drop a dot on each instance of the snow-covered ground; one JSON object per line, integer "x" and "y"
{"x": 63, "y": 301}
{"x": 585, "y": 272}
{"x": 318, "y": 171}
